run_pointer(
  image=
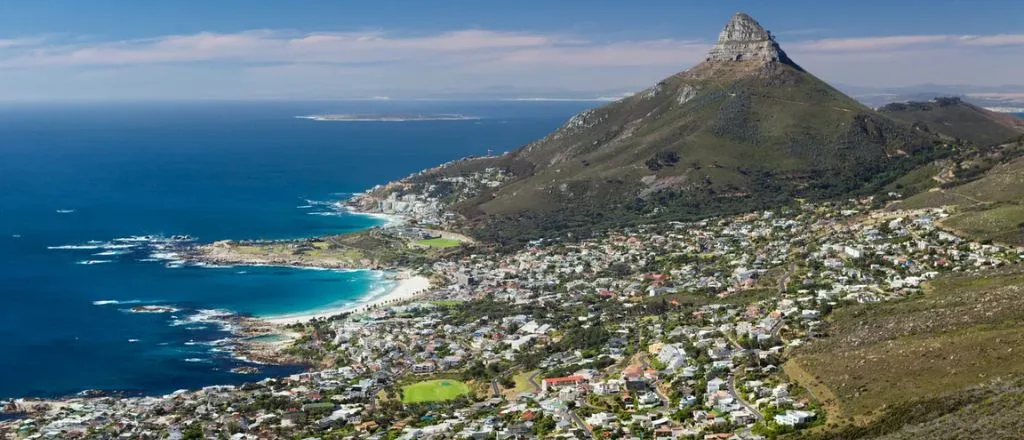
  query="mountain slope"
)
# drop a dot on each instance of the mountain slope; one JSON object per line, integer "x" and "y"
{"x": 747, "y": 128}
{"x": 935, "y": 363}
{"x": 988, "y": 206}
{"x": 956, "y": 118}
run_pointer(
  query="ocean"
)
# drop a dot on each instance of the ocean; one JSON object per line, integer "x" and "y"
{"x": 77, "y": 181}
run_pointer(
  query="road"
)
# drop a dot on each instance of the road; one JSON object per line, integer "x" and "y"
{"x": 665, "y": 402}
{"x": 735, "y": 395}
{"x": 785, "y": 278}
{"x": 579, "y": 423}
{"x": 495, "y": 389}
{"x": 533, "y": 381}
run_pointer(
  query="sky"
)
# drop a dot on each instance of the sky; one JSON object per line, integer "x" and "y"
{"x": 319, "y": 49}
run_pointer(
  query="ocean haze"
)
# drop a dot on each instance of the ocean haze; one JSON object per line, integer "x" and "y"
{"x": 214, "y": 170}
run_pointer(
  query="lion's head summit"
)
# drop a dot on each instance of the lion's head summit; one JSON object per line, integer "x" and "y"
{"x": 744, "y": 39}
{"x": 745, "y": 129}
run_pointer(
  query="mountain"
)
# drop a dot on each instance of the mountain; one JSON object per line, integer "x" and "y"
{"x": 1007, "y": 96}
{"x": 955, "y": 118}
{"x": 746, "y": 128}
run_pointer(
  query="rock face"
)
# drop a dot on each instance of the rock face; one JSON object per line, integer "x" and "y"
{"x": 744, "y": 39}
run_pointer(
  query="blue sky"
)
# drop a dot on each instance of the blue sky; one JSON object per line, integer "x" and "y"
{"x": 318, "y": 49}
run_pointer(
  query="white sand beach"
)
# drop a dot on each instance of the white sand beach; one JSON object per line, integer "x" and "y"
{"x": 389, "y": 219}
{"x": 408, "y": 287}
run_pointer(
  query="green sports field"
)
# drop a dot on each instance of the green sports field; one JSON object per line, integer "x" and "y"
{"x": 433, "y": 391}
{"x": 439, "y": 243}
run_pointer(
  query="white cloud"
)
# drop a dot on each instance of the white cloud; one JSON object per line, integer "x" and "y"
{"x": 897, "y": 42}
{"x": 278, "y": 63}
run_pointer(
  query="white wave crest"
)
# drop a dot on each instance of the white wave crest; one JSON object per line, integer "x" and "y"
{"x": 104, "y": 302}
{"x": 136, "y": 239}
{"x": 74, "y": 247}
{"x": 118, "y": 246}
{"x": 212, "y": 265}
{"x": 113, "y": 252}
{"x": 89, "y": 262}
{"x": 206, "y": 316}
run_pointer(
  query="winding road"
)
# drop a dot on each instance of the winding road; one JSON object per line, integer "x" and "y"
{"x": 735, "y": 395}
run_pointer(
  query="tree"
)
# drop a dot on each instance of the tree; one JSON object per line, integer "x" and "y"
{"x": 193, "y": 432}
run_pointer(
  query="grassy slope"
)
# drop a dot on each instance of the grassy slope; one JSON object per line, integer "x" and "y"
{"x": 731, "y": 125}
{"x": 989, "y": 208}
{"x": 748, "y": 137}
{"x": 964, "y": 332}
{"x": 958, "y": 119}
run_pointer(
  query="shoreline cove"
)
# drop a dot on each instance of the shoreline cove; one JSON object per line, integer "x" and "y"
{"x": 245, "y": 345}
{"x": 408, "y": 287}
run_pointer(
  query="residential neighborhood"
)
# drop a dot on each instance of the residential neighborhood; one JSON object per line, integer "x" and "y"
{"x": 675, "y": 330}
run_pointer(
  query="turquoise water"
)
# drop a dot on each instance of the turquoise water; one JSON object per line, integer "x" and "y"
{"x": 84, "y": 176}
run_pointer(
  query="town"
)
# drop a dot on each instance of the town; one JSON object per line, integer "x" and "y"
{"x": 674, "y": 330}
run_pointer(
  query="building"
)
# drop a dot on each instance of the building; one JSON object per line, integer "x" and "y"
{"x": 793, "y": 417}
{"x": 554, "y": 383}
{"x": 424, "y": 368}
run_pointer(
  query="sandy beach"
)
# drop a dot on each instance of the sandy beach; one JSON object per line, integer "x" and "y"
{"x": 408, "y": 287}
{"x": 389, "y": 219}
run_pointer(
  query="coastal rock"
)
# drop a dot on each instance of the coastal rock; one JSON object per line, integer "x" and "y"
{"x": 245, "y": 370}
{"x": 153, "y": 309}
{"x": 744, "y": 39}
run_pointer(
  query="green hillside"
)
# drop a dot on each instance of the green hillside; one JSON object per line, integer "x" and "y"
{"x": 989, "y": 206}
{"x": 745, "y": 131}
{"x": 927, "y": 363}
{"x": 957, "y": 119}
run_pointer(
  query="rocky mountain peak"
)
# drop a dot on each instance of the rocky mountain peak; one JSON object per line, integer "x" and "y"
{"x": 744, "y": 39}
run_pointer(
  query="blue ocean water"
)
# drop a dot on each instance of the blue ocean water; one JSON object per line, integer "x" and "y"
{"x": 87, "y": 174}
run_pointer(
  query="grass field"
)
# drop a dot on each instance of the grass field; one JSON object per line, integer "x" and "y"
{"x": 1001, "y": 224}
{"x": 433, "y": 391}
{"x": 438, "y": 243}
{"x": 962, "y": 332}
{"x": 522, "y": 381}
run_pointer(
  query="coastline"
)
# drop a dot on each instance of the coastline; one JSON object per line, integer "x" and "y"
{"x": 408, "y": 287}
{"x": 287, "y": 252}
{"x": 388, "y": 219}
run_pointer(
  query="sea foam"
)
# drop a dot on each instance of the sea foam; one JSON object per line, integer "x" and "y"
{"x": 89, "y": 262}
{"x": 110, "y": 253}
{"x": 74, "y": 247}
{"x": 104, "y": 302}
